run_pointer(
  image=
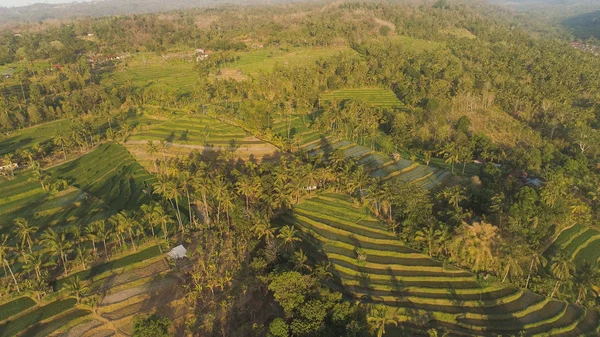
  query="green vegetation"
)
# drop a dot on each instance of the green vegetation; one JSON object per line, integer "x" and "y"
{"x": 199, "y": 129}
{"x": 377, "y": 97}
{"x": 338, "y": 231}
{"x": 112, "y": 265}
{"x": 584, "y": 26}
{"x": 580, "y": 243}
{"x": 20, "y": 323}
{"x": 29, "y": 137}
{"x": 14, "y": 307}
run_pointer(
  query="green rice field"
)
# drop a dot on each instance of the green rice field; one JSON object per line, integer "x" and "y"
{"x": 580, "y": 242}
{"x": 17, "y": 324}
{"x": 26, "y": 138}
{"x": 384, "y": 98}
{"x": 333, "y": 227}
{"x": 198, "y": 129}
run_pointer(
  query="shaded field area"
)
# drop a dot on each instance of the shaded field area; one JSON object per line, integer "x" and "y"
{"x": 27, "y": 138}
{"x": 370, "y": 264}
{"x": 375, "y": 96}
{"x": 580, "y": 242}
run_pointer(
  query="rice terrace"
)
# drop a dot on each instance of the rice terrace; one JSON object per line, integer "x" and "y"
{"x": 307, "y": 169}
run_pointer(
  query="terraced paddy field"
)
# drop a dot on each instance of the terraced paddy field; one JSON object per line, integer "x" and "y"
{"x": 102, "y": 183}
{"x": 200, "y": 132}
{"x": 136, "y": 283}
{"x": 580, "y": 242}
{"x": 26, "y": 138}
{"x": 151, "y": 71}
{"x": 425, "y": 291}
{"x": 384, "y": 98}
{"x": 380, "y": 165}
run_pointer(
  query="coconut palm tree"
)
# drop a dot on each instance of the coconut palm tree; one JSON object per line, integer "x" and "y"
{"x": 5, "y": 250}
{"x": 168, "y": 189}
{"x": 61, "y": 140}
{"x": 562, "y": 268}
{"x": 40, "y": 175}
{"x": 8, "y": 161}
{"x": 537, "y": 260}
{"x": 264, "y": 229}
{"x": 58, "y": 245}
{"x": 76, "y": 288}
{"x": 585, "y": 279}
{"x": 288, "y": 237}
{"x": 512, "y": 267}
{"x": 91, "y": 234}
{"x": 301, "y": 262}
{"x": 103, "y": 233}
{"x": 378, "y": 319}
{"x": 83, "y": 256}
{"x": 23, "y": 230}
{"x": 35, "y": 262}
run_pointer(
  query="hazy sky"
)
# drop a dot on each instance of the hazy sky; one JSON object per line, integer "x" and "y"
{"x": 15, "y": 3}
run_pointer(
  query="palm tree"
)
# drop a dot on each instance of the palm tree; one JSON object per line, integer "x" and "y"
{"x": 537, "y": 260}
{"x": 5, "y": 250}
{"x": 264, "y": 229}
{"x": 83, "y": 256}
{"x": 562, "y": 268}
{"x": 76, "y": 288}
{"x": 57, "y": 244}
{"x": 168, "y": 189}
{"x": 512, "y": 267}
{"x": 124, "y": 223}
{"x": 149, "y": 215}
{"x": 378, "y": 319}
{"x": 40, "y": 175}
{"x": 103, "y": 233}
{"x": 61, "y": 140}
{"x": 91, "y": 234}
{"x": 287, "y": 235}
{"x": 585, "y": 279}
{"x": 301, "y": 262}
{"x": 8, "y": 162}
{"x": 24, "y": 231}
{"x": 34, "y": 262}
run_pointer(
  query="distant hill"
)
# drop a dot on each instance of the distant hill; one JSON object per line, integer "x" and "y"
{"x": 585, "y": 25}
{"x": 100, "y": 8}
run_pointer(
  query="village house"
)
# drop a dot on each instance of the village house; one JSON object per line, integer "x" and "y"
{"x": 9, "y": 168}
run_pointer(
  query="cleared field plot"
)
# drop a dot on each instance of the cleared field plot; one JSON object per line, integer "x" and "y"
{"x": 579, "y": 242}
{"x": 390, "y": 273}
{"x": 14, "y": 307}
{"x": 20, "y": 323}
{"x": 265, "y": 60}
{"x": 375, "y": 96}
{"x": 151, "y": 71}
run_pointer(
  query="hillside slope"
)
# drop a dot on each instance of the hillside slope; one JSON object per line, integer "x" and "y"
{"x": 372, "y": 265}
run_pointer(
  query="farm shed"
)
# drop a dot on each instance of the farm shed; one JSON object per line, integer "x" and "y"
{"x": 177, "y": 252}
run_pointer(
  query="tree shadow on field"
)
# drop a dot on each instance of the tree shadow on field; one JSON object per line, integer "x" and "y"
{"x": 184, "y": 136}
{"x": 170, "y": 138}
